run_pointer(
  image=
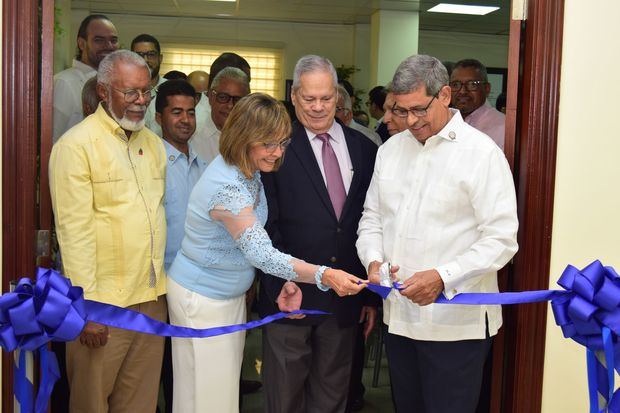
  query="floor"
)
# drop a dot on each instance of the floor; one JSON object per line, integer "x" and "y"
{"x": 377, "y": 399}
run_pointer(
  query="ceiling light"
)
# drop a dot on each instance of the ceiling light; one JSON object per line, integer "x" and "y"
{"x": 462, "y": 9}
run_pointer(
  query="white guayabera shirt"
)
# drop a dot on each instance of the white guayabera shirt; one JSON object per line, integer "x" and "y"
{"x": 67, "y": 104}
{"x": 448, "y": 205}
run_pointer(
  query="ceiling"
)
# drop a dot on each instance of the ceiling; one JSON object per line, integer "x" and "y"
{"x": 311, "y": 11}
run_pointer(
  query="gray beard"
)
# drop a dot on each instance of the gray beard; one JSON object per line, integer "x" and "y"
{"x": 126, "y": 124}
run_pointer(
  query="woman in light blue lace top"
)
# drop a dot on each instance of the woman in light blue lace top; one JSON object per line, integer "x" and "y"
{"x": 224, "y": 241}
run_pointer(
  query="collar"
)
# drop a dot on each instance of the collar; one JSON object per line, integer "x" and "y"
{"x": 478, "y": 113}
{"x": 173, "y": 154}
{"x": 210, "y": 125}
{"x": 450, "y": 131}
{"x": 83, "y": 67}
{"x": 159, "y": 82}
{"x": 335, "y": 131}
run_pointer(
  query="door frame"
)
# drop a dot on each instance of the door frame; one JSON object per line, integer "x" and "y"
{"x": 532, "y": 125}
{"x": 27, "y": 38}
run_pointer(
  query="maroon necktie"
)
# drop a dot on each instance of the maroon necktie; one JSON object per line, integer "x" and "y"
{"x": 335, "y": 186}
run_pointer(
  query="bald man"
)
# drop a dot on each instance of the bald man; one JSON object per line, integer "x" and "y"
{"x": 199, "y": 79}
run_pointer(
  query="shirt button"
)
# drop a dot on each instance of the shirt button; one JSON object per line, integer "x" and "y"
{"x": 454, "y": 291}
{"x": 452, "y": 135}
{"x": 338, "y": 229}
{"x": 171, "y": 157}
{"x": 332, "y": 259}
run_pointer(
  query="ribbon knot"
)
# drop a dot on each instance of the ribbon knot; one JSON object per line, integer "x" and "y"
{"x": 34, "y": 314}
{"x": 592, "y": 303}
{"x": 590, "y": 315}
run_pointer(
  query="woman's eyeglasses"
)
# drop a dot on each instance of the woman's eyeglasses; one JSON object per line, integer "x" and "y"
{"x": 272, "y": 146}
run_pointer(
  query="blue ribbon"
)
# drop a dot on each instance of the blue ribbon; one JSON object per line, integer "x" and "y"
{"x": 587, "y": 311}
{"x": 54, "y": 310}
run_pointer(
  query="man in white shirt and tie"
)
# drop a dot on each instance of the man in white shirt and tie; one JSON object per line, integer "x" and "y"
{"x": 441, "y": 206}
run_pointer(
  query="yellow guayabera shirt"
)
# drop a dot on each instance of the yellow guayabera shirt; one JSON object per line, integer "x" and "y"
{"x": 107, "y": 194}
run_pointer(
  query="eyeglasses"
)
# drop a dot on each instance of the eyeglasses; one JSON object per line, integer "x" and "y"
{"x": 152, "y": 54}
{"x": 418, "y": 113}
{"x": 341, "y": 109}
{"x": 470, "y": 85}
{"x": 222, "y": 97}
{"x": 132, "y": 95}
{"x": 272, "y": 146}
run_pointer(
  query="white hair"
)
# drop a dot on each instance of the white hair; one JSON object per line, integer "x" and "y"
{"x": 107, "y": 67}
{"x": 231, "y": 73}
{"x": 346, "y": 98}
{"x": 419, "y": 70}
{"x": 313, "y": 63}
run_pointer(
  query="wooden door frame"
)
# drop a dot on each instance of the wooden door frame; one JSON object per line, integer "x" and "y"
{"x": 533, "y": 113}
{"x": 26, "y": 133}
{"x": 27, "y": 85}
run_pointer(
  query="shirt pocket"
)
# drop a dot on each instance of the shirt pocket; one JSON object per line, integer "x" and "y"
{"x": 109, "y": 188}
{"x": 158, "y": 180}
{"x": 152, "y": 181}
{"x": 442, "y": 204}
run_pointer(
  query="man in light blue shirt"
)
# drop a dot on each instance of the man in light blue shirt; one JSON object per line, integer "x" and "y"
{"x": 175, "y": 112}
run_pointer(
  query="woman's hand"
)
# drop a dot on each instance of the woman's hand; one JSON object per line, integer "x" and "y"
{"x": 342, "y": 282}
{"x": 289, "y": 299}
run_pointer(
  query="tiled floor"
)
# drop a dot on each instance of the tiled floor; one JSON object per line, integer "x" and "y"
{"x": 377, "y": 399}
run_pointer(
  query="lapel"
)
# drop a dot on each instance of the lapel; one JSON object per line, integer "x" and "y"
{"x": 300, "y": 146}
{"x": 355, "y": 153}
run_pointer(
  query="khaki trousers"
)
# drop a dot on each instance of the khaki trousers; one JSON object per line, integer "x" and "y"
{"x": 123, "y": 375}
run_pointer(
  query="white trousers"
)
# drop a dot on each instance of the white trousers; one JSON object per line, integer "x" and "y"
{"x": 206, "y": 371}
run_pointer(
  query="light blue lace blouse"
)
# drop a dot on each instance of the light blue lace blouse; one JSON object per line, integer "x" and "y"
{"x": 213, "y": 263}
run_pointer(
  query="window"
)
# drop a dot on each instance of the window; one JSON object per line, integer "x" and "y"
{"x": 266, "y": 64}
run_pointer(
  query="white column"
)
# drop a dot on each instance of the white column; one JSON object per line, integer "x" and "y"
{"x": 393, "y": 37}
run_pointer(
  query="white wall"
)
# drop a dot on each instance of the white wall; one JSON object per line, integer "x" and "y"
{"x": 394, "y": 37}
{"x": 491, "y": 50}
{"x": 586, "y": 223}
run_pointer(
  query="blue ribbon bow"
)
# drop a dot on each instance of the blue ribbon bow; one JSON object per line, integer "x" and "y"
{"x": 587, "y": 311}
{"x": 54, "y": 310}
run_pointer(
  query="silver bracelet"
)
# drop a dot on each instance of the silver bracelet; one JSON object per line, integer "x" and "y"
{"x": 318, "y": 276}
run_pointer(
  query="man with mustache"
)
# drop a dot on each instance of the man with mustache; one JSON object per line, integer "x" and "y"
{"x": 442, "y": 206}
{"x": 470, "y": 89}
{"x": 107, "y": 177}
{"x": 96, "y": 38}
{"x": 228, "y": 87}
{"x": 175, "y": 107}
